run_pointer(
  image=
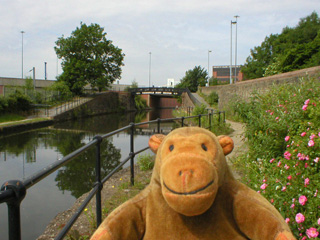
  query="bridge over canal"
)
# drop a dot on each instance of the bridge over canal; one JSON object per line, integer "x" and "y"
{"x": 163, "y": 97}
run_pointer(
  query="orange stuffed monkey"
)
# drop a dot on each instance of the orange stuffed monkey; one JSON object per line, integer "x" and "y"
{"x": 193, "y": 195}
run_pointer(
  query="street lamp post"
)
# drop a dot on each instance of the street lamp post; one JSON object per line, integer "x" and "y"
{"x": 231, "y": 51}
{"x": 45, "y": 70}
{"x": 149, "y": 68}
{"x": 22, "y": 32}
{"x": 235, "y": 57}
{"x": 209, "y": 51}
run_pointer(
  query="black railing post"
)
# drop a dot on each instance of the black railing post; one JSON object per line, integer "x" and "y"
{"x": 14, "y": 207}
{"x": 199, "y": 120}
{"x": 182, "y": 121}
{"x": 210, "y": 118}
{"x": 219, "y": 117}
{"x": 132, "y": 153}
{"x": 224, "y": 116}
{"x": 158, "y": 125}
{"x": 98, "y": 180}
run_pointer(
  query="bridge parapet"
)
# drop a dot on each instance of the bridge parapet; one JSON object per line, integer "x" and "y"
{"x": 157, "y": 90}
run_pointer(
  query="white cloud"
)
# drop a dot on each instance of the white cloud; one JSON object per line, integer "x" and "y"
{"x": 178, "y": 33}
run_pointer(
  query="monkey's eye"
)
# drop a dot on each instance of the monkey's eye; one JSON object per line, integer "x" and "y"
{"x": 204, "y": 147}
{"x": 171, "y": 147}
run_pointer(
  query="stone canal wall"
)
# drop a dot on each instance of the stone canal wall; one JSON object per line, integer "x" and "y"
{"x": 109, "y": 102}
{"x": 245, "y": 88}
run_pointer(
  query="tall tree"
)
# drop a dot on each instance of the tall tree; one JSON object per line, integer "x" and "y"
{"x": 196, "y": 77}
{"x": 295, "y": 48}
{"x": 88, "y": 57}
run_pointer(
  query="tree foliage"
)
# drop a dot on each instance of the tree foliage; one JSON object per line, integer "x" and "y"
{"x": 88, "y": 57}
{"x": 196, "y": 77}
{"x": 295, "y": 48}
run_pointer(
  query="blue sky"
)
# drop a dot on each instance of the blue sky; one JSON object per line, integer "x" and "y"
{"x": 177, "y": 33}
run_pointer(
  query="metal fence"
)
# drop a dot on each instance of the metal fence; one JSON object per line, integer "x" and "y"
{"x": 14, "y": 191}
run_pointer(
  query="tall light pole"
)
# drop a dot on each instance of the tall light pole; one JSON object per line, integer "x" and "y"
{"x": 149, "y": 68}
{"x": 209, "y": 51}
{"x": 231, "y": 51}
{"x": 235, "y": 57}
{"x": 45, "y": 70}
{"x": 22, "y": 32}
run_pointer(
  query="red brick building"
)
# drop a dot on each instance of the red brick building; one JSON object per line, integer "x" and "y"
{"x": 222, "y": 73}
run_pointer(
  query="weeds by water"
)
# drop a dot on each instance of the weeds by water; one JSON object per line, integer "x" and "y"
{"x": 145, "y": 162}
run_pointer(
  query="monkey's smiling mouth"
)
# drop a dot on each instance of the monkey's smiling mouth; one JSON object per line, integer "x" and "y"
{"x": 191, "y": 192}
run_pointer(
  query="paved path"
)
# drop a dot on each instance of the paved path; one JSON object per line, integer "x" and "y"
{"x": 200, "y": 99}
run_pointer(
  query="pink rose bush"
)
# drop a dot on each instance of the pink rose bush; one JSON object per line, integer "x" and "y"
{"x": 287, "y": 145}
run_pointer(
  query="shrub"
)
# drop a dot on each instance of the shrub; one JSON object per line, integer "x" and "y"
{"x": 18, "y": 102}
{"x": 145, "y": 162}
{"x": 213, "y": 98}
{"x": 283, "y": 132}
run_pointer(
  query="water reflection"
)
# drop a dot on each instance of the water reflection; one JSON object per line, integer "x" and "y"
{"x": 23, "y": 154}
{"x": 79, "y": 175}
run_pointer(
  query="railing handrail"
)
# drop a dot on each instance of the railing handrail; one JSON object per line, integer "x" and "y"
{"x": 13, "y": 192}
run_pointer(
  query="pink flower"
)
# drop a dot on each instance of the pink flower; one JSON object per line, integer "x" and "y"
{"x": 287, "y": 138}
{"x": 303, "y": 134}
{"x": 287, "y": 155}
{"x": 306, "y": 102}
{"x": 284, "y": 188}
{"x": 272, "y": 201}
{"x": 264, "y": 186}
{"x": 271, "y": 113}
{"x": 304, "y": 107}
{"x": 315, "y": 194}
{"x": 318, "y": 221}
{"x": 302, "y": 200}
{"x": 292, "y": 206}
{"x": 304, "y": 238}
{"x": 287, "y": 220}
{"x": 279, "y": 164}
{"x": 289, "y": 177}
{"x": 286, "y": 167}
{"x": 319, "y": 134}
{"x": 272, "y": 160}
{"x": 300, "y": 218}
{"x": 277, "y": 118}
{"x": 312, "y": 136}
{"x": 312, "y": 233}
{"x": 316, "y": 160}
{"x": 306, "y": 165}
{"x": 306, "y": 181}
{"x": 311, "y": 143}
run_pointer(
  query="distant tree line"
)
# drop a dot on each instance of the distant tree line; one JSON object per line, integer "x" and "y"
{"x": 295, "y": 48}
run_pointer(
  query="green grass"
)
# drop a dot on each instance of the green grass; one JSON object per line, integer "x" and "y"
{"x": 24, "y": 121}
{"x": 9, "y": 117}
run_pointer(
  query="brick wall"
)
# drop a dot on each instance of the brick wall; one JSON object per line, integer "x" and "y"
{"x": 245, "y": 88}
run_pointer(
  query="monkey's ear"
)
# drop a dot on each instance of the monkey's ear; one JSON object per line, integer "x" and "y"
{"x": 155, "y": 141}
{"x": 226, "y": 144}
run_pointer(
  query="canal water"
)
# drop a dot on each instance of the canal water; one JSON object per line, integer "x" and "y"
{"x": 23, "y": 154}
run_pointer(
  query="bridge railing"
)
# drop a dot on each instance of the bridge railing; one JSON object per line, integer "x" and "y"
{"x": 14, "y": 191}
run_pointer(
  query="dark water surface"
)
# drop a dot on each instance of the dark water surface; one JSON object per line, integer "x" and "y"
{"x": 23, "y": 154}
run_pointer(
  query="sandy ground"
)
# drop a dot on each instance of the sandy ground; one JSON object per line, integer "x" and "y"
{"x": 83, "y": 224}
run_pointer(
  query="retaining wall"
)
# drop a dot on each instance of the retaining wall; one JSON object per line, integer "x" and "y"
{"x": 244, "y": 89}
{"x": 109, "y": 102}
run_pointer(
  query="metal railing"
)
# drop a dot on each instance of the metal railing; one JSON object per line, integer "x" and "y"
{"x": 14, "y": 191}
